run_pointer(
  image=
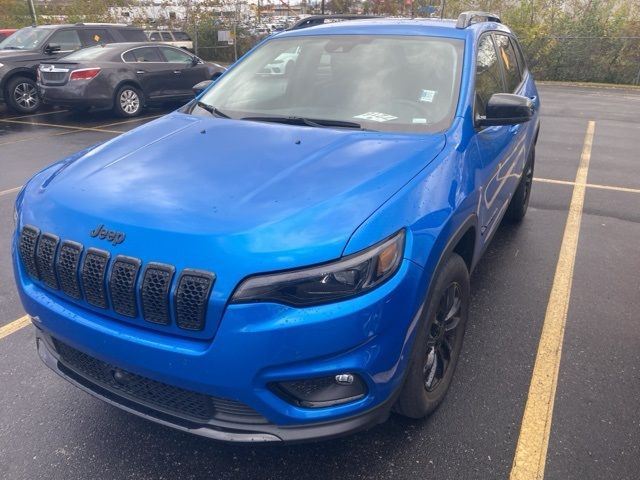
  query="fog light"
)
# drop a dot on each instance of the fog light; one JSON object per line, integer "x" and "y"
{"x": 322, "y": 391}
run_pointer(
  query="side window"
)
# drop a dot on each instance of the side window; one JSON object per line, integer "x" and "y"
{"x": 154, "y": 36}
{"x": 147, "y": 54}
{"x": 95, "y": 36}
{"x": 173, "y": 55}
{"x": 509, "y": 61}
{"x": 132, "y": 35}
{"x": 166, "y": 37}
{"x": 181, "y": 37}
{"x": 488, "y": 75}
{"x": 129, "y": 57}
{"x": 522, "y": 63}
{"x": 67, "y": 39}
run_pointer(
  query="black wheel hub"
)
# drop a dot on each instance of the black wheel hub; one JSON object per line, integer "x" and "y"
{"x": 441, "y": 340}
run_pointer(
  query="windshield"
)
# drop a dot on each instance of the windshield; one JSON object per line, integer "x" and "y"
{"x": 28, "y": 38}
{"x": 385, "y": 82}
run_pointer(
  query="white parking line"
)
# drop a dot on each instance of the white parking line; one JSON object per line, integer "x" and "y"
{"x": 37, "y": 114}
{"x": 11, "y": 190}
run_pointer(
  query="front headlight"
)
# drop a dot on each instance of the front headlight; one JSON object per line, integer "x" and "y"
{"x": 347, "y": 277}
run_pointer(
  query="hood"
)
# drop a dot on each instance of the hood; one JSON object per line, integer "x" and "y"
{"x": 229, "y": 196}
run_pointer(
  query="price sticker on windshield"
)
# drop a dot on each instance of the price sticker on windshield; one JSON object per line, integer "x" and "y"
{"x": 376, "y": 117}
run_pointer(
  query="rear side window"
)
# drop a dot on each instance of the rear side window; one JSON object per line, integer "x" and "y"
{"x": 181, "y": 37}
{"x": 154, "y": 36}
{"x": 509, "y": 61}
{"x": 488, "y": 75}
{"x": 173, "y": 55}
{"x": 132, "y": 35}
{"x": 67, "y": 39}
{"x": 129, "y": 57}
{"x": 166, "y": 37}
{"x": 146, "y": 54}
{"x": 95, "y": 36}
{"x": 522, "y": 63}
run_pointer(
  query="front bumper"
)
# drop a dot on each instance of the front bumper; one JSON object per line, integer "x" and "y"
{"x": 255, "y": 345}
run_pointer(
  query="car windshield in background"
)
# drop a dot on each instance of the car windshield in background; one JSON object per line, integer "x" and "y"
{"x": 385, "y": 82}
{"x": 27, "y": 38}
{"x": 89, "y": 53}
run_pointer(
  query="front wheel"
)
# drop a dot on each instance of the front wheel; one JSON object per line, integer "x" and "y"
{"x": 438, "y": 341}
{"x": 128, "y": 101}
{"x": 22, "y": 95}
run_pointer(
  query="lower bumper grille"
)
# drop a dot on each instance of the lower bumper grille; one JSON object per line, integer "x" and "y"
{"x": 150, "y": 393}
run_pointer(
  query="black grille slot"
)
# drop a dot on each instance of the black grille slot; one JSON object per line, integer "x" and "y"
{"x": 154, "y": 394}
{"x": 155, "y": 292}
{"x": 28, "y": 244}
{"x": 122, "y": 285}
{"x": 46, "y": 258}
{"x": 192, "y": 297}
{"x": 93, "y": 275}
{"x": 67, "y": 267}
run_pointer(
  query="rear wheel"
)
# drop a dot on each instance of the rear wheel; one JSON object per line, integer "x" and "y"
{"x": 520, "y": 201}
{"x": 438, "y": 342}
{"x": 22, "y": 95}
{"x": 128, "y": 101}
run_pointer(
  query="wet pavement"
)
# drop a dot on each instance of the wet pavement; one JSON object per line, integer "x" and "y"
{"x": 49, "y": 429}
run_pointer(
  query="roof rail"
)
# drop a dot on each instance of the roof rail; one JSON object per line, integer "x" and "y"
{"x": 314, "y": 20}
{"x": 469, "y": 18}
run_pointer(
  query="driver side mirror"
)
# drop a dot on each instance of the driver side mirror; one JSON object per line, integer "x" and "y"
{"x": 194, "y": 61}
{"x": 198, "y": 88}
{"x": 52, "y": 48}
{"x": 507, "y": 109}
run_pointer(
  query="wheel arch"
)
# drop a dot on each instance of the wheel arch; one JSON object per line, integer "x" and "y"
{"x": 17, "y": 72}
{"x": 131, "y": 83}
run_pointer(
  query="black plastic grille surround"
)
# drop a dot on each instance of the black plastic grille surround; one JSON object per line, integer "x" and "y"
{"x": 122, "y": 285}
{"x": 67, "y": 268}
{"x": 151, "y": 393}
{"x": 192, "y": 293}
{"x": 61, "y": 265}
{"x": 155, "y": 293}
{"x": 45, "y": 259}
{"x": 94, "y": 269}
{"x": 28, "y": 243}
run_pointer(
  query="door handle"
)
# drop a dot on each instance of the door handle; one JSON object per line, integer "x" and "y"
{"x": 177, "y": 72}
{"x": 140, "y": 72}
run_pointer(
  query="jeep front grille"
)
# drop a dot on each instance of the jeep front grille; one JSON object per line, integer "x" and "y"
{"x": 91, "y": 276}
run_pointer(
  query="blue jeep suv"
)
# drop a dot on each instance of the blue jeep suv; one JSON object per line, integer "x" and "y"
{"x": 287, "y": 257}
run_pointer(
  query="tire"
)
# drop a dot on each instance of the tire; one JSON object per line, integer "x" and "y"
{"x": 128, "y": 101}
{"x": 429, "y": 374}
{"x": 520, "y": 201}
{"x": 21, "y": 95}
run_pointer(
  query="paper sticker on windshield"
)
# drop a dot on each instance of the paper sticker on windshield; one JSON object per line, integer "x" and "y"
{"x": 376, "y": 117}
{"x": 419, "y": 120}
{"x": 427, "y": 95}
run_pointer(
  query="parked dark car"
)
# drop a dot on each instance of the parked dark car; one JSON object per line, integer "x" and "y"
{"x": 124, "y": 77}
{"x": 22, "y": 52}
{"x": 6, "y": 32}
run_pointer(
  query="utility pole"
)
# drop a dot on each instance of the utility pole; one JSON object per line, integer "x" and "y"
{"x": 444, "y": 4}
{"x": 32, "y": 11}
{"x": 322, "y": 8}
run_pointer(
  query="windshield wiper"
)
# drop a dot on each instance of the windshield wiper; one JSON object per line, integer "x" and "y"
{"x": 212, "y": 110}
{"x": 311, "y": 122}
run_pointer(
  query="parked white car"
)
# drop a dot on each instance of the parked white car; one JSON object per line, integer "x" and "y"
{"x": 177, "y": 38}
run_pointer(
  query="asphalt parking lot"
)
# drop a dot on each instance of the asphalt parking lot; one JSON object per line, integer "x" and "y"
{"x": 49, "y": 429}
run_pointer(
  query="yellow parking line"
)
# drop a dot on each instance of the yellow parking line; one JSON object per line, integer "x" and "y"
{"x": 11, "y": 190}
{"x": 133, "y": 120}
{"x": 531, "y": 450}
{"x": 588, "y": 185}
{"x": 38, "y": 114}
{"x": 54, "y": 125}
{"x": 14, "y": 326}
